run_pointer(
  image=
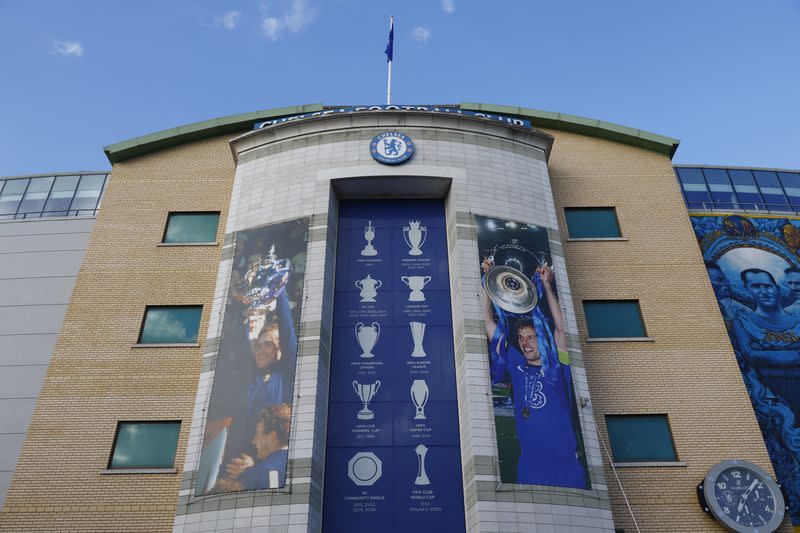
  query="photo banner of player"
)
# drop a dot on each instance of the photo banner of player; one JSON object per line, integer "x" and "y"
{"x": 754, "y": 267}
{"x": 539, "y": 438}
{"x": 246, "y": 439}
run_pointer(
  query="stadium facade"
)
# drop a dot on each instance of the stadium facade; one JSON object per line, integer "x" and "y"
{"x": 460, "y": 318}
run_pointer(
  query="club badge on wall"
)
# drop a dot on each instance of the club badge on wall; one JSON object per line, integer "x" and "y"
{"x": 391, "y": 148}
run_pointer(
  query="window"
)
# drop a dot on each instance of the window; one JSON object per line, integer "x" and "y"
{"x": 592, "y": 222}
{"x": 771, "y": 190}
{"x": 791, "y": 184}
{"x": 721, "y": 190}
{"x": 170, "y": 325}
{"x": 613, "y": 318}
{"x": 746, "y": 190}
{"x": 144, "y": 445}
{"x": 694, "y": 188}
{"x": 191, "y": 228}
{"x": 640, "y": 438}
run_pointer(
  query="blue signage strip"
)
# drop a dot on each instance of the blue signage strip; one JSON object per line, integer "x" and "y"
{"x": 438, "y": 109}
{"x": 393, "y": 459}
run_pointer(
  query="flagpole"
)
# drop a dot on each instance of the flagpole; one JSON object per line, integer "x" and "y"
{"x": 389, "y": 86}
{"x": 390, "y": 53}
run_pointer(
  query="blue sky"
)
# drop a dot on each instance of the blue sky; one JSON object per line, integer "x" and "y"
{"x": 721, "y": 75}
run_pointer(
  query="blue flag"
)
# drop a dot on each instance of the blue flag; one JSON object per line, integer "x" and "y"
{"x": 390, "y": 43}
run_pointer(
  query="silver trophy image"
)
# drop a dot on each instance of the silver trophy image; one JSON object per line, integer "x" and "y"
{"x": 422, "y": 477}
{"x": 369, "y": 288}
{"x": 369, "y": 235}
{"x": 417, "y": 334}
{"x": 508, "y": 281}
{"x": 367, "y": 337}
{"x": 263, "y": 281}
{"x": 419, "y": 395}
{"x": 365, "y": 392}
{"x": 416, "y": 284}
{"x": 415, "y": 235}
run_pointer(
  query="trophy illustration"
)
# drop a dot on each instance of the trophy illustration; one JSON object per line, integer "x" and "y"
{"x": 419, "y": 395}
{"x": 508, "y": 282}
{"x": 365, "y": 392}
{"x": 415, "y": 235}
{"x": 369, "y": 288}
{"x": 416, "y": 284}
{"x": 367, "y": 336}
{"x": 422, "y": 476}
{"x": 417, "y": 334}
{"x": 264, "y": 280}
{"x": 369, "y": 235}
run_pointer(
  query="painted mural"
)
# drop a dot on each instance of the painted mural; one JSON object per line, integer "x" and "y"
{"x": 754, "y": 267}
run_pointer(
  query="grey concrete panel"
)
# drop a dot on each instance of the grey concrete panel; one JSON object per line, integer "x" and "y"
{"x": 15, "y": 414}
{"x": 21, "y": 381}
{"x": 9, "y": 450}
{"x": 35, "y": 291}
{"x": 26, "y": 349}
{"x": 47, "y": 227}
{"x": 31, "y": 319}
{"x": 40, "y": 264}
{"x": 10, "y": 244}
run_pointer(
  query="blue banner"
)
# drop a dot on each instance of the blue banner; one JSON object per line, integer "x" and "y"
{"x": 393, "y": 460}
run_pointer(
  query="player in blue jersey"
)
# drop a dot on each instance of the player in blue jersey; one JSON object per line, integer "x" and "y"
{"x": 538, "y": 369}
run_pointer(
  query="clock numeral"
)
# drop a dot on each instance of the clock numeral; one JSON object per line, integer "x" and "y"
{"x": 721, "y": 485}
{"x": 727, "y": 511}
{"x": 736, "y": 474}
{"x": 767, "y": 509}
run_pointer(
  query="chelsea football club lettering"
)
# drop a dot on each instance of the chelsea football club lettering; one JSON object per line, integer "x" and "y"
{"x": 437, "y": 109}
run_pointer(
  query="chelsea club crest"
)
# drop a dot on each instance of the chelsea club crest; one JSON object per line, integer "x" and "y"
{"x": 391, "y": 148}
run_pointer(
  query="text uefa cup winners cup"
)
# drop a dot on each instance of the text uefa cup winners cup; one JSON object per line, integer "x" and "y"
{"x": 367, "y": 337}
{"x": 415, "y": 236}
{"x": 365, "y": 392}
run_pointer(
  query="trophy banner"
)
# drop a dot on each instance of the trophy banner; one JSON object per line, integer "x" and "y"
{"x": 251, "y": 394}
{"x": 538, "y": 431}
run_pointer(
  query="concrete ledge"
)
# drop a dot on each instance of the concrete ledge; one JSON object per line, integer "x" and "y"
{"x": 116, "y": 471}
{"x": 621, "y": 339}
{"x": 651, "y": 464}
{"x": 167, "y": 345}
{"x": 188, "y": 244}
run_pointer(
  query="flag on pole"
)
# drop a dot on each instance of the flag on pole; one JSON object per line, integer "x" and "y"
{"x": 390, "y": 43}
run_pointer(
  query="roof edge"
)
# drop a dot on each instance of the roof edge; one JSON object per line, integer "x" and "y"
{"x": 584, "y": 126}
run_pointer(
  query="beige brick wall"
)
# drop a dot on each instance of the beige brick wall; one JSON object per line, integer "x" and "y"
{"x": 95, "y": 377}
{"x": 689, "y": 371}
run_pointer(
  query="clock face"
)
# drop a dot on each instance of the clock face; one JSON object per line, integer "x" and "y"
{"x": 743, "y": 497}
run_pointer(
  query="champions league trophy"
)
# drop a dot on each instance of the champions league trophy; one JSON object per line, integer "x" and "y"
{"x": 369, "y": 235}
{"x": 369, "y": 288}
{"x": 417, "y": 334}
{"x": 422, "y": 476}
{"x": 419, "y": 395}
{"x": 508, "y": 282}
{"x": 365, "y": 393}
{"x": 416, "y": 284}
{"x": 415, "y": 235}
{"x": 367, "y": 337}
{"x": 265, "y": 279}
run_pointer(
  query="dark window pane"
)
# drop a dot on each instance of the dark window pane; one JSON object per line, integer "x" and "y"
{"x": 791, "y": 184}
{"x": 11, "y": 196}
{"x": 191, "y": 227}
{"x": 721, "y": 189}
{"x": 771, "y": 190}
{"x": 746, "y": 190}
{"x": 592, "y": 222}
{"x": 170, "y": 325}
{"x": 613, "y": 318}
{"x": 61, "y": 196}
{"x": 36, "y": 195}
{"x": 640, "y": 438}
{"x": 88, "y": 192}
{"x": 145, "y": 445}
{"x": 690, "y": 175}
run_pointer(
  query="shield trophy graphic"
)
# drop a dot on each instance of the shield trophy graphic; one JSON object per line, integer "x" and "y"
{"x": 419, "y": 395}
{"x": 367, "y": 337}
{"x": 417, "y": 334}
{"x": 365, "y": 392}
{"x": 415, "y": 235}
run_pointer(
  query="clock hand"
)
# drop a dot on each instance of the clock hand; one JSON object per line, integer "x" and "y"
{"x": 746, "y": 494}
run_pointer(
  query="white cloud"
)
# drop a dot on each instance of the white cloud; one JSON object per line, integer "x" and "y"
{"x": 295, "y": 16}
{"x": 68, "y": 48}
{"x": 229, "y": 20}
{"x": 449, "y": 6}
{"x": 421, "y": 35}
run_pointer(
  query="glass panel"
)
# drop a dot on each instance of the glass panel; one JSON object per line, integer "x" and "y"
{"x": 61, "y": 196}
{"x": 694, "y": 188}
{"x": 746, "y": 190}
{"x": 88, "y": 192}
{"x": 613, "y": 318}
{"x": 640, "y": 438}
{"x": 586, "y": 222}
{"x": 191, "y": 227}
{"x": 36, "y": 195}
{"x": 145, "y": 445}
{"x": 170, "y": 325}
{"x": 721, "y": 189}
{"x": 771, "y": 190}
{"x": 11, "y": 196}
{"x": 791, "y": 184}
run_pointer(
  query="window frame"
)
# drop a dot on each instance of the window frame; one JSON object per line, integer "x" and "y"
{"x": 644, "y": 462}
{"x": 213, "y": 242}
{"x": 619, "y": 237}
{"x": 644, "y": 338}
{"x": 141, "y": 469}
{"x": 140, "y": 344}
